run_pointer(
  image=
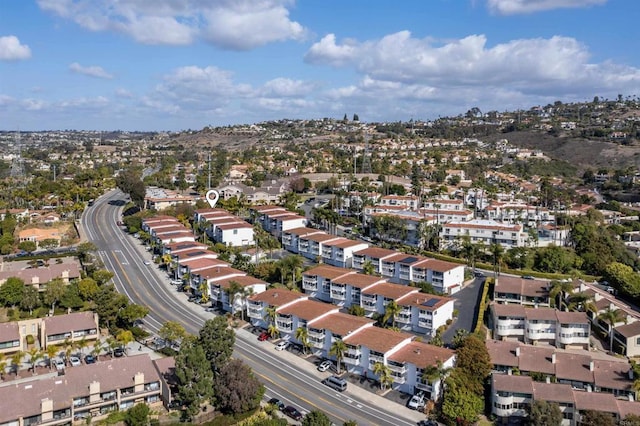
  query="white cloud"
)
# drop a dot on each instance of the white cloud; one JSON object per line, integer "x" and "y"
{"x": 124, "y": 93}
{"x": 285, "y": 87}
{"x": 514, "y": 7}
{"x": 12, "y": 50}
{"x": 559, "y": 64}
{"x": 229, "y": 24}
{"x": 91, "y": 71}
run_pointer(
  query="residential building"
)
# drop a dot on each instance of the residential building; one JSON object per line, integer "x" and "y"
{"x": 482, "y": 231}
{"x": 291, "y": 238}
{"x": 259, "y": 305}
{"x": 161, "y": 198}
{"x": 512, "y": 395}
{"x": 577, "y": 368}
{"x": 424, "y": 313}
{"x": 88, "y": 391}
{"x": 568, "y": 330}
{"x": 445, "y": 277}
{"x": 521, "y": 291}
{"x": 66, "y": 271}
{"x": 339, "y": 251}
{"x": 316, "y": 282}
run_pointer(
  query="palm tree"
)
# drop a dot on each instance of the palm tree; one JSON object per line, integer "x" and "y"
{"x": 582, "y": 302}
{"x": 273, "y": 331}
{"x": 384, "y": 374}
{"x": 234, "y": 289}
{"x": 434, "y": 374}
{"x": 558, "y": 292}
{"x": 391, "y": 311}
{"x": 125, "y": 337}
{"x": 338, "y": 349}
{"x": 68, "y": 349}
{"x": 612, "y": 317}
{"x": 34, "y": 355}
{"x": 302, "y": 335}
{"x": 16, "y": 359}
{"x": 81, "y": 345}
{"x": 368, "y": 268}
{"x": 52, "y": 350}
{"x": 497, "y": 252}
{"x": 97, "y": 348}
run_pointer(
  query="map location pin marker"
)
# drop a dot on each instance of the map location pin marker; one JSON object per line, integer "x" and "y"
{"x": 212, "y": 197}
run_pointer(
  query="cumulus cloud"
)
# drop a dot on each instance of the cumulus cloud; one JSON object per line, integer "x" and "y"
{"x": 514, "y": 7}
{"x": 12, "y": 50}
{"x": 557, "y": 63}
{"x": 229, "y": 24}
{"x": 286, "y": 87}
{"x": 91, "y": 71}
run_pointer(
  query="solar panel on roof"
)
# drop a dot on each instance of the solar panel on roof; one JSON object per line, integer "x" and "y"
{"x": 431, "y": 302}
{"x": 409, "y": 259}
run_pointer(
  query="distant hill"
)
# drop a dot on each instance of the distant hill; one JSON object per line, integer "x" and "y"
{"x": 584, "y": 153}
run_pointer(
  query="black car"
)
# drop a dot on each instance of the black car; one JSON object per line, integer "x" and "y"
{"x": 277, "y": 403}
{"x": 89, "y": 359}
{"x": 427, "y": 423}
{"x": 292, "y": 412}
{"x": 118, "y": 352}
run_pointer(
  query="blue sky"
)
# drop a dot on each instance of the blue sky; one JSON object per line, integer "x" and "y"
{"x": 186, "y": 64}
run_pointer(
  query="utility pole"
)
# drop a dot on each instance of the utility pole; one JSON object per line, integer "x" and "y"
{"x": 209, "y": 178}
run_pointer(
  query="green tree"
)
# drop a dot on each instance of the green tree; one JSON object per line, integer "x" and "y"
{"x": 30, "y": 299}
{"x": 558, "y": 292}
{"x": 391, "y": 311}
{"x": 71, "y": 297}
{"x": 138, "y": 415}
{"x": 474, "y": 361}
{"x": 544, "y": 413}
{"x": 596, "y": 418}
{"x": 338, "y": 349}
{"x": 302, "y": 335}
{"x": 131, "y": 313}
{"x": 88, "y": 287}
{"x": 28, "y": 246}
{"x": 194, "y": 377}
{"x": 217, "y": 340}
{"x": 11, "y": 291}
{"x": 237, "y": 389}
{"x": 436, "y": 374}
{"x": 461, "y": 404}
{"x": 384, "y": 374}
{"x": 172, "y": 332}
{"x": 612, "y": 317}
{"x": 108, "y": 303}
{"x": 102, "y": 276}
{"x": 34, "y": 355}
{"x": 316, "y": 418}
{"x": 53, "y": 292}
{"x": 368, "y": 268}
{"x": 49, "y": 243}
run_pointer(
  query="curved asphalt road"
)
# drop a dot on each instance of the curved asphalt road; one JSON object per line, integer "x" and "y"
{"x": 146, "y": 285}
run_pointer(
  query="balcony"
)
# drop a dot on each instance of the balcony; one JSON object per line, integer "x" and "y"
{"x": 404, "y": 318}
{"x": 339, "y": 294}
{"x": 310, "y": 284}
{"x": 425, "y": 323}
{"x": 397, "y": 368}
{"x": 375, "y": 358}
{"x": 326, "y": 253}
{"x": 351, "y": 358}
{"x": 215, "y": 294}
{"x": 316, "y": 342}
{"x": 315, "y": 333}
{"x": 254, "y": 312}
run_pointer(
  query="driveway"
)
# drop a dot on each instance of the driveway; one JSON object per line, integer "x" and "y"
{"x": 466, "y": 302}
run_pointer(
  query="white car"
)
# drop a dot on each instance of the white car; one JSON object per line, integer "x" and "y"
{"x": 416, "y": 402}
{"x": 282, "y": 345}
{"x": 325, "y": 365}
{"x": 59, "y": 364}
{"x": 74, "y": 361}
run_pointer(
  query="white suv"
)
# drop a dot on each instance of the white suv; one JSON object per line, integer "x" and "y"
{"x": 416, "y": 402}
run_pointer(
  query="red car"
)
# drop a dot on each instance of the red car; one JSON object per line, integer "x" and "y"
{"x": 263, "y": 336}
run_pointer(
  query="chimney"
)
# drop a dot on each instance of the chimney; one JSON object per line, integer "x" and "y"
{"x": 509, "y": 372}
{"x": 518, "y": 351}
{"x": 630, "y": 373}
{"x": 553, "y": 358}
{"x": 592, "y": 365}
{"x": 547, "y": 379}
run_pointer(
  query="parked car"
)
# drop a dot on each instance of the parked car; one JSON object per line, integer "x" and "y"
{"x": 74, "y": 361}
{"x": 527, "y": 277}
{"x": 59, "y": 364}
{"x": 282, "y": 345}
{"x": 277, "y": 403}
{"x": 263, "y": 336}
{"x": 90, "y": 359}
{"x": 427, "y": 422}
{"x": 118, "y": 352}
{"x": 146, "y": 262}
{"x": 416, "y": 402}
{"x": 325, "y": 365}
{"x": 292, "y": 412}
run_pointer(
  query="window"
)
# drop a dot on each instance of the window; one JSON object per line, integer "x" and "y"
{"x": 235, "y": 232}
